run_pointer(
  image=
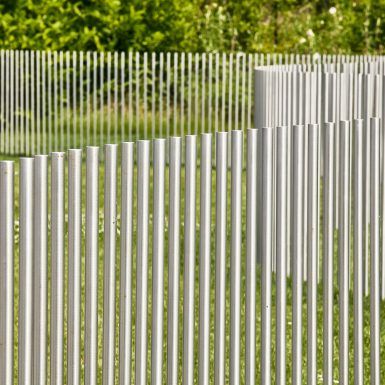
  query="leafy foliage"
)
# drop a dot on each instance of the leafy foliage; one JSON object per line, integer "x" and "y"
{"x": 197, "y": 25}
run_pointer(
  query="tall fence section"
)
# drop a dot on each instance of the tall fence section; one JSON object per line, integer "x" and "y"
{"x": 248, "y": 255}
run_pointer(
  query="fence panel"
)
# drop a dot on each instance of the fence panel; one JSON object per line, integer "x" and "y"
{"x": 265, "y": 224}
{"x": 58, "y": 100}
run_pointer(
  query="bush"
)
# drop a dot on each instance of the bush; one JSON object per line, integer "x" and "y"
{"x": 194, "y": 25}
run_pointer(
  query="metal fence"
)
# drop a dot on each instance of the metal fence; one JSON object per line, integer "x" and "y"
{"x": 140, "y": 271}
{"x": 224, "y": 262}
{"x": 52, "y": 101}
{"x": 324, "y": 188}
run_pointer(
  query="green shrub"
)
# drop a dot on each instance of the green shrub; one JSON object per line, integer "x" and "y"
{"x": 194, "y": 25}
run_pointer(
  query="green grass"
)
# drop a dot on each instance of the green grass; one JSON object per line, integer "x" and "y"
{"x": 212, "y": 295}
{"x": 73, "y": 130}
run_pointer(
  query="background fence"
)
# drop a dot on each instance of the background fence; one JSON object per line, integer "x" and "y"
{"x": 251, "y": 256}
{"x": 51, "y": 101}
{"x": 57, "y": 100}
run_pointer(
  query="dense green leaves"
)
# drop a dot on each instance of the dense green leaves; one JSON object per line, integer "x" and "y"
{"x": 194, "y": 25}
